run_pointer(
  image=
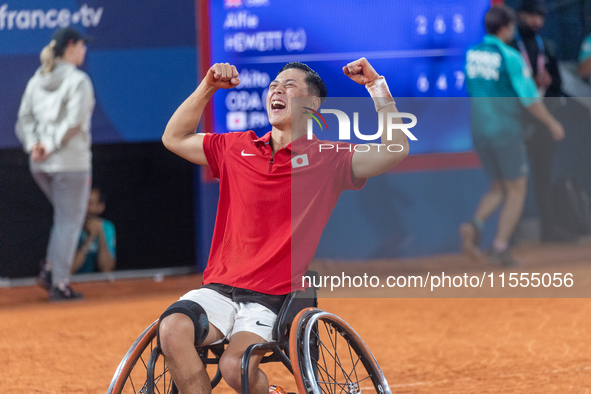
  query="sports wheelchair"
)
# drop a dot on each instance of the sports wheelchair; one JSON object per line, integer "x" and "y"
{"x": 325, "y": 355}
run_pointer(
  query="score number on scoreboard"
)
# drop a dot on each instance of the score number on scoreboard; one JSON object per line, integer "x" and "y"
{"x": 439, "y": 78}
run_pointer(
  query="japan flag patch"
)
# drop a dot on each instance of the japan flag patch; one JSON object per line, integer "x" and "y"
{"x": 299, "y": 161}
{"x": 236, "y": 121}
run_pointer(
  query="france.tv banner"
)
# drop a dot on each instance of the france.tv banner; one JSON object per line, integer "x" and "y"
{"x": 141, "y": 60}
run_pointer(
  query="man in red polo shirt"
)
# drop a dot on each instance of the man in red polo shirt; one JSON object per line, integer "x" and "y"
{"x": 266, "y": 232}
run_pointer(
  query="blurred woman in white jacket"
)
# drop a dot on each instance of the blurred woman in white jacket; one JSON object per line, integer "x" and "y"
{"x": 54, "y": 127}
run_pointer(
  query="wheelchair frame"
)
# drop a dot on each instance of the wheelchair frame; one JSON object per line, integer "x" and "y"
{"x": 296, "y": 326}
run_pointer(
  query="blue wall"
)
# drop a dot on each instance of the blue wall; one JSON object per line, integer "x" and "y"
{"x": 403, "y": 215}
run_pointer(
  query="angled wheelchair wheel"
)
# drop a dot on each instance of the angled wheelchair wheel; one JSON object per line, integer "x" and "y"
{"x": 331, "y": 358}
{"x": 131, "y": 375}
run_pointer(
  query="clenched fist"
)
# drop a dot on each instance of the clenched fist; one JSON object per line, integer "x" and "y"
{"x": 39, "y": 153}
{"x": 222, "y": 75}
{"x": 361, "y": 72}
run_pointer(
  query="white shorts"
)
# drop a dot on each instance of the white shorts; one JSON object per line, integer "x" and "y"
{"x": 231, "y": 317}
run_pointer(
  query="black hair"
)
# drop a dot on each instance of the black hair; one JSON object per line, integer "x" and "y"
{"x": 497, "y": 17}
{"x": 63, "y": 37}
{"x": 315, "y": 84}
{"x": 59, "y": 49}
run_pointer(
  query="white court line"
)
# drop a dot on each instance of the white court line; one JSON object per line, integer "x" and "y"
{"x": 425, "y": 383}
{"x": 317, "y": 57}
{"x": 455, "y": 380}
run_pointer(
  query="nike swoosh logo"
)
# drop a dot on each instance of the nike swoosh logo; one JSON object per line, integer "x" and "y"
{"x": 246, "y": 154}
{"x": 261, "y": 324}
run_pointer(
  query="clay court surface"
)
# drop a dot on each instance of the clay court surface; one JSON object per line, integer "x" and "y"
{"x": 424, "y": 345}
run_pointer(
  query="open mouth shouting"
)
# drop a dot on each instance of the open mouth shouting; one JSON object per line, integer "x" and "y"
{"x": 277, "y": 106}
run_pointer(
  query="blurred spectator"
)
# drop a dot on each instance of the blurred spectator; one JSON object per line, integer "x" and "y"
{"x": 54, "y": 127}
{"x": 496, "y": 73}
{"x": 96, "y": 247}
{"x": 585, "y": 58}
{"x": 539, "y": 56}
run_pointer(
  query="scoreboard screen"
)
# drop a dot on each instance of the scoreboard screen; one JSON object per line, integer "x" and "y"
{"x": 419, "y": 46}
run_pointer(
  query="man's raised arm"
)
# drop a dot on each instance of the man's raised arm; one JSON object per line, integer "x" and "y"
{"x": 180, "y": 136}
{"x": 378, "y": 159}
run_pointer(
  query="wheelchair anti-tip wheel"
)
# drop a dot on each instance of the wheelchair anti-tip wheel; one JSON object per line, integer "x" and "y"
{"x": 130, "y": 376}
{"x": 331, "y": 358}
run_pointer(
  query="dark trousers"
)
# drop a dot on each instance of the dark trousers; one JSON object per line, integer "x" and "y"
{"x": 540, "y": 150}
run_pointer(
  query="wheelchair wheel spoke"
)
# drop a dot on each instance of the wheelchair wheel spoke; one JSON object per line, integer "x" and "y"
{"x": 161, "y": 381}
{"x": 334, "y": 340}
{"x": 143, "y": 362}
{"x": 156, "y": 381}
{"x": 330, "y": 332}
{"x": 354, "y": 363}
{"x": 133, "y": 381}
{"x": 164, "y": 373}
{"x": 333, "y": 335}
{"x": 334, "y": 352}
{"x": 321, "y": 348}
{"x": 327, "y": 378}
{"x": 337, "y": 360}
{"x": 132, "y": 385}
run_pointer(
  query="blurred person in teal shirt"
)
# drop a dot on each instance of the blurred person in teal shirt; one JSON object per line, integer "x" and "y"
{"x": 96, "y": 247}
{"x": 500, "y": 84}
{"x": 585, "y": 59}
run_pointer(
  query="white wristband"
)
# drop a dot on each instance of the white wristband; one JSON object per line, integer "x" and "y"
{"x": 378, "y": 90}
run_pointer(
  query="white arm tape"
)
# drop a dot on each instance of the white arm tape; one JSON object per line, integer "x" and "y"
{"x": 378, "y": 90}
